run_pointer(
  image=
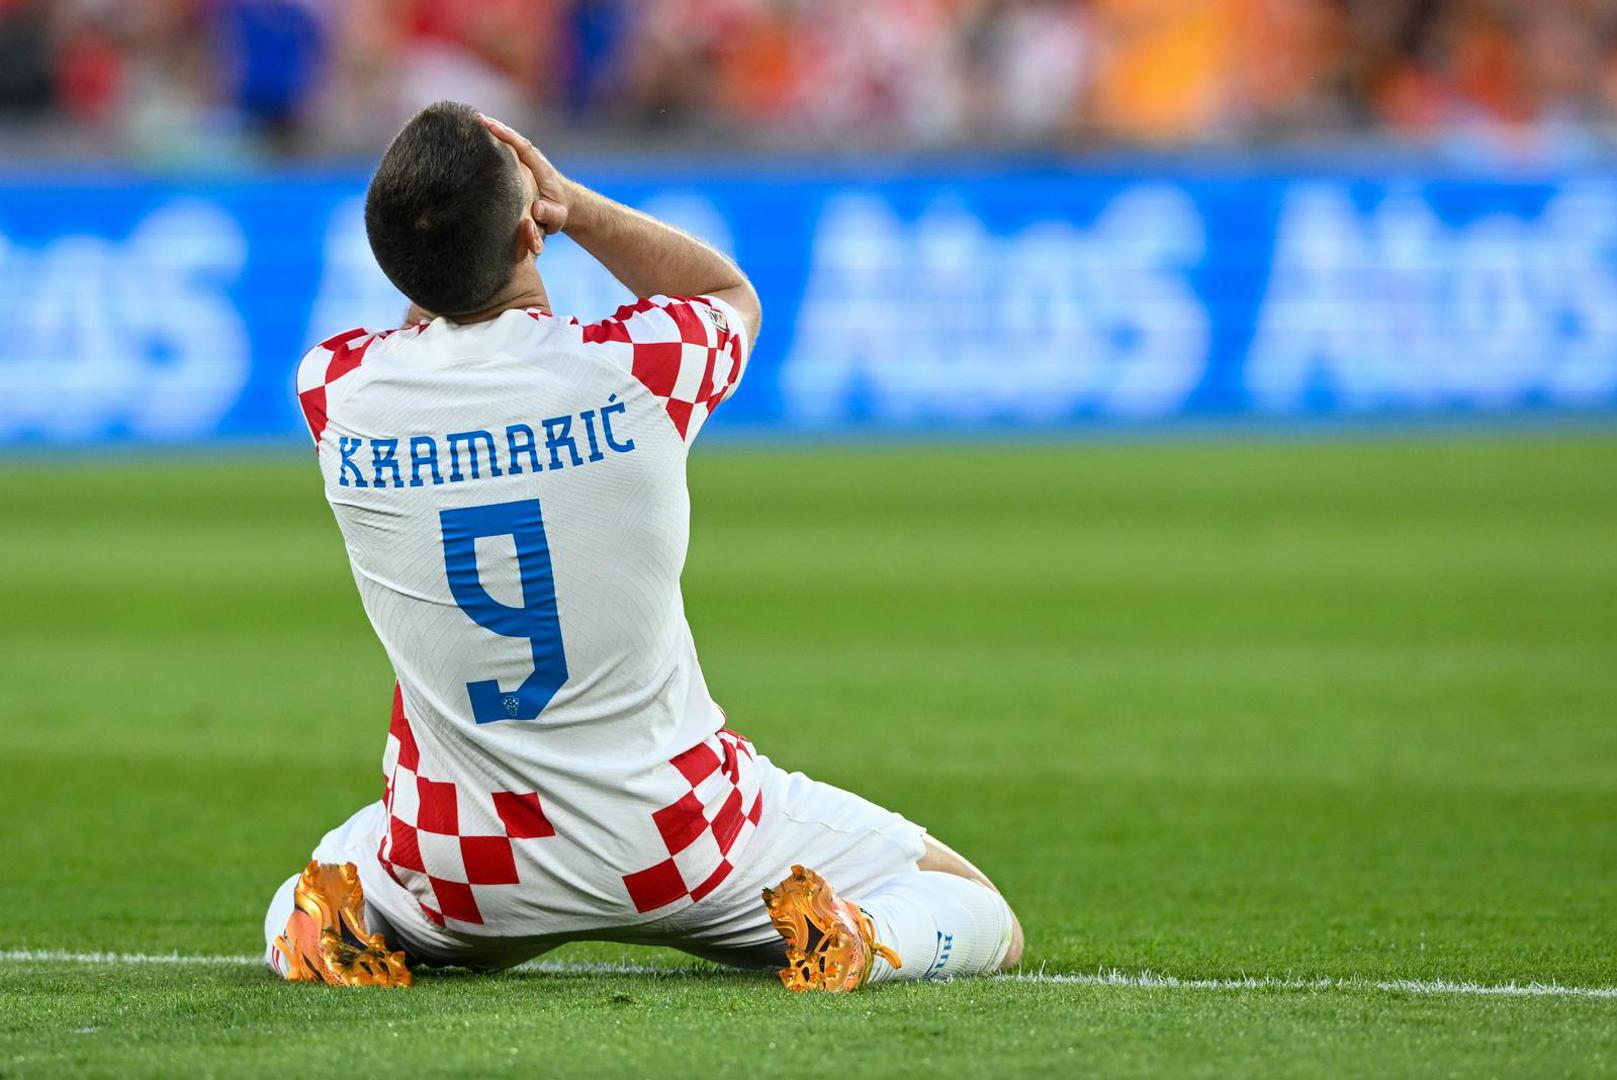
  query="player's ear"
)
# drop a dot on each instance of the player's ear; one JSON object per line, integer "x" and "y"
{"x": 530, "y": 237}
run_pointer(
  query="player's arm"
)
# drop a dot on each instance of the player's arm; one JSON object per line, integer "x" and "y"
{"x": 648, "y": 256}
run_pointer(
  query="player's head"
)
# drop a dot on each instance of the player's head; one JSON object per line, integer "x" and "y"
{"x": 445, "y": 208}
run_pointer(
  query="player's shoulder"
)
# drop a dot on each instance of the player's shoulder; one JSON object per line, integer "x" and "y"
{"x": 329, "y": 361}
{"x": 342, "y": 352}
{"x": 688, "y": 352}
{"x": 693, "y": 320}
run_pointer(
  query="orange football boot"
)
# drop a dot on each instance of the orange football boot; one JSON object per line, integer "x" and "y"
{"x": 326, "y": 939}
{"x": 830, "y": 942}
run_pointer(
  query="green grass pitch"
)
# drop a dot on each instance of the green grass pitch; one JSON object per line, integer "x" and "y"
{"x": 1343, "y": 710}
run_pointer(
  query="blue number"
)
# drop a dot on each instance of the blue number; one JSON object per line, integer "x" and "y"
{"x": 535, "y": 620}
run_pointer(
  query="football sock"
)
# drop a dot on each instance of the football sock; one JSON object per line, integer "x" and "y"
{"x": 280, "y": 910}
{"x": 940, "y": 925}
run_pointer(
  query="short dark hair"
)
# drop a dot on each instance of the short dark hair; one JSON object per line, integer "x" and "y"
{"x": 442, "y": 210}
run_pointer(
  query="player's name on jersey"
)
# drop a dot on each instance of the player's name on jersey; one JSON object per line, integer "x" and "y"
{"x": 556, "y": 442}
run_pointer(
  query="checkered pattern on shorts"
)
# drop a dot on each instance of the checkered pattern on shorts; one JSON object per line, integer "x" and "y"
{"x": 426, "y": 850}
{"x": 449, "y": 845}
{"x": 701, "y": 841}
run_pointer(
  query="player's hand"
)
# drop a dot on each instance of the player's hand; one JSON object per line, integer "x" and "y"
{"x": 550, "y": 208}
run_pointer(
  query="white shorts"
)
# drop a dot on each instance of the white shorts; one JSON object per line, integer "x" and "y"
{"x": 853, "y": 842}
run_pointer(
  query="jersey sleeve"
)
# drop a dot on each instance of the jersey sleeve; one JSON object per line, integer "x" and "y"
{"x": 325, "y": 364}
{"x": 690, "y": 352}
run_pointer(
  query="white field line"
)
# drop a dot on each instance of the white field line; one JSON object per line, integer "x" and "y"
{"x": 58, "y": 956}
{"x": 1152, "y": 980}
{"x": 1141, "y": 979}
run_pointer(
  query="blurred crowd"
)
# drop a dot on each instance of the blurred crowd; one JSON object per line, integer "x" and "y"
{"x": 186, "y": 78}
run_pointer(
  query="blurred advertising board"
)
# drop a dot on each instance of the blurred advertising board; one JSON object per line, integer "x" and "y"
{"x": 144, "y": 310}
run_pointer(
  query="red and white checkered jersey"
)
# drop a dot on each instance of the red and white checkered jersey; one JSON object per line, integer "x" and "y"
{"x": 512, "y": 495}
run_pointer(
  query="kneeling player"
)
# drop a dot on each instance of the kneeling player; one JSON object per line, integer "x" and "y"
{"x": 511, "y": 488}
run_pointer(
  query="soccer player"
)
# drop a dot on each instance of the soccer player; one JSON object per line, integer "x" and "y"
{"x": 510, "y": 485}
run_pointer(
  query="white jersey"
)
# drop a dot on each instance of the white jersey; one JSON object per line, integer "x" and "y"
{"x": 512, "y": 494}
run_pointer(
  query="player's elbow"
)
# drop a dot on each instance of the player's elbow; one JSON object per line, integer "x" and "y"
{"x": 743, "y": 298}
{"x": 753, "y": 313}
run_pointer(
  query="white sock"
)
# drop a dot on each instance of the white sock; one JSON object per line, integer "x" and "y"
{"x": 940, "y": 925}
{"x": 280, "y": 910}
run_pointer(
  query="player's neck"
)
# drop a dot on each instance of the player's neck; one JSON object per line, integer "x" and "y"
{"x": 525, "y": 290}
